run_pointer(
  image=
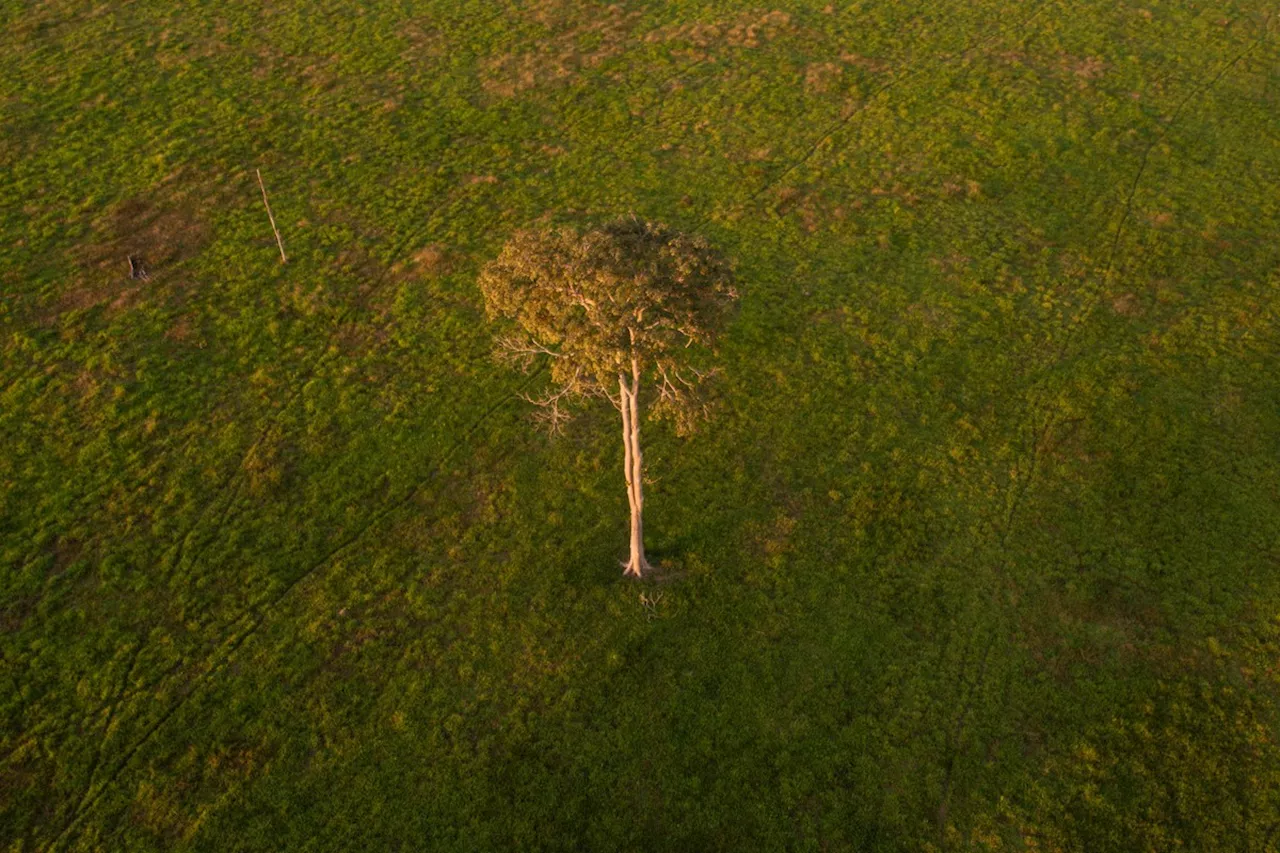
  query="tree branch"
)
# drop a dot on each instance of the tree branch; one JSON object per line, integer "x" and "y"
{"x": 523, "y": 349}
{"x": 552, "y": 403}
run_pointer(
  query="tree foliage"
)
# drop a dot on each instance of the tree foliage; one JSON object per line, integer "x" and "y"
{"x": 627, "y": 297}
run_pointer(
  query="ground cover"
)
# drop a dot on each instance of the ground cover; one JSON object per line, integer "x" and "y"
{"x": 979, "y": 551}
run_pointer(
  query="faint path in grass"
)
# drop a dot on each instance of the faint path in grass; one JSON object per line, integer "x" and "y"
{"x": 1043, "y": 423}
{"x": 256, "y": 614}
{"x": 228, "y": 491}
{"x": 223, "y": 498}
{"x": 224, "y": 506}
{"x": 224, "y": 503}
{"x": 1039, "y": 424}
{"x": 1049, "y": 420}
{"x": 970, "y": 683}
{"x": 224, "y": 494}
{"x": 244, "y": 626}
{"x": 1126, "y": 209}
{"x": 192, "y": 543}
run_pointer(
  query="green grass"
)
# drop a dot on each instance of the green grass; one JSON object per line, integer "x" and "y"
{"x": 981, "y": 551}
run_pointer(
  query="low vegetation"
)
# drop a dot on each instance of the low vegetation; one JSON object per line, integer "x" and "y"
{"x": 980, "y": 549}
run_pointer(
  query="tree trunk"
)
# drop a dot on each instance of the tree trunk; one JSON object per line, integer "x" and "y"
{"x": 637, "y": 565}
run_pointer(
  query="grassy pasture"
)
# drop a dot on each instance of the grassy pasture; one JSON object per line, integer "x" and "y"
{"x": 980, "y": 552}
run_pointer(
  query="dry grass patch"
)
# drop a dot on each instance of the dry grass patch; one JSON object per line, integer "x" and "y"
{"x": 1126, "y": 305}
{"x": 161, "y": 231}
{"x": 573, "y": 48}
{"x": 822, "y": 77}
{"x": 424, "y": 42}
{"x": 866, "y": 63}
{"x": 432, "y": 260}
{"x": 746, "y": 29}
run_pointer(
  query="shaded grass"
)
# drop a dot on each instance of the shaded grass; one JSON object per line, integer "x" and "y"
{"x": 979, "y": 549}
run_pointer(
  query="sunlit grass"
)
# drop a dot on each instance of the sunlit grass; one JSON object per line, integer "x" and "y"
{"x": 979, "y": 552}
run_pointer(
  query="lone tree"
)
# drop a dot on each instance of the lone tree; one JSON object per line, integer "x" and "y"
{"x": 619, "y": 309}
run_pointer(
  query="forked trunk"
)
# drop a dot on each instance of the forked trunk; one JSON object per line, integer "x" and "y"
{"x": 636, "y": 565}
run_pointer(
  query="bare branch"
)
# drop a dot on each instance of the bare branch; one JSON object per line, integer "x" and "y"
{"x": 551, "y": 408}
{"x": 517, "y": 347}
{"x": 553, "y": 404}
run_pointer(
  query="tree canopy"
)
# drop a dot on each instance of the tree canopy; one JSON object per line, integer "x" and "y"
{"x": 630, "y": 296}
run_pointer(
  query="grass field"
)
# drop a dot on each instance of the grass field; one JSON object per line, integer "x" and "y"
{"x": 981, "y": 550}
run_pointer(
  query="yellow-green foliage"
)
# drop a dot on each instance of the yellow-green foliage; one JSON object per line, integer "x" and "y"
{"x": 628, "y": 298}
